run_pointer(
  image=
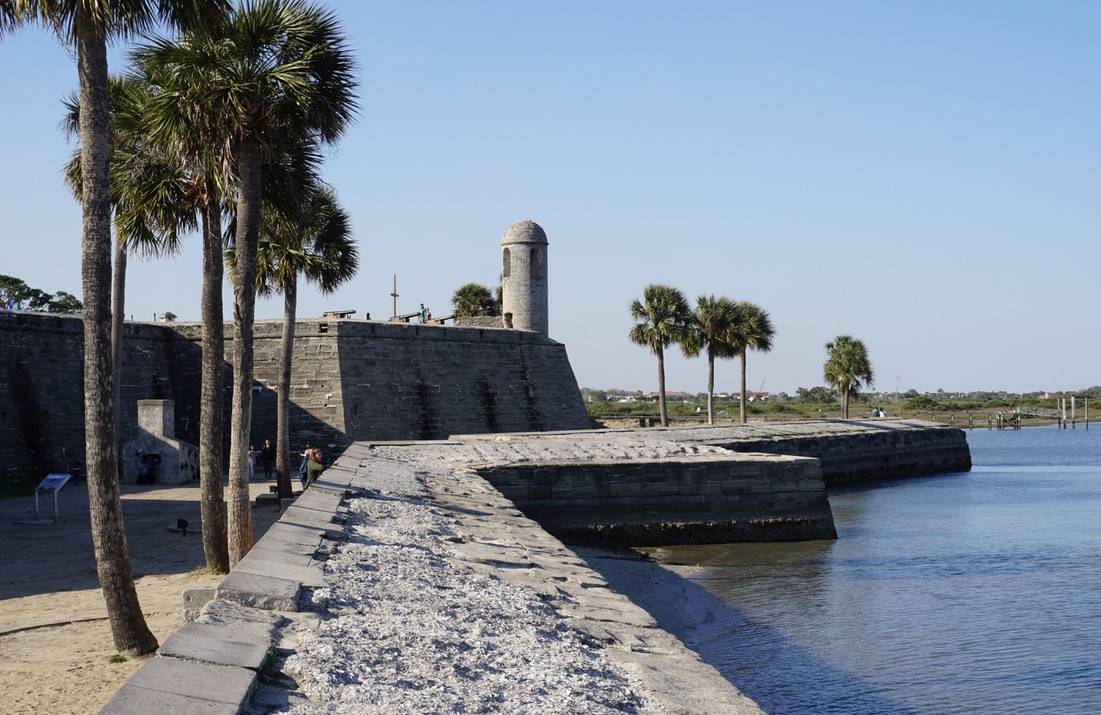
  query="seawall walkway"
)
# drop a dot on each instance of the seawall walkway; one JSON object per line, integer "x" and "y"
{"x": 404, "y": 582}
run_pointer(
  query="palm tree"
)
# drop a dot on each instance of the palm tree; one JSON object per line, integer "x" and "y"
{"x": 709, "y": 329}
{"x": 150, "y": 195}
{"x": 178, "y": 121}
{"x": 753, "y": 331}
{"x": 847, "y": 367}
{"x": 314, "y": 240}
{"x": 474, "y": 299}
{"x": 158, "y": 182}
{"x": 280, "y": 69}
{"x": 85, "y": 27}
{"x": 660, "y": 319}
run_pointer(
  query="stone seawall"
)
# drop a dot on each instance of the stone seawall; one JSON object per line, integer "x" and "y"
{"x": 295, "y": 611}
{"x": 696, "y": 499}
{"x": 351, "y": 380}
{"x": 887, "y": 450}
{"x": 288, "y": 628}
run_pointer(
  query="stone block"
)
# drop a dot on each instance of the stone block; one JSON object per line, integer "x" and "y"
{"x": 216, "y": 644}
{"x": 168, "y": 685}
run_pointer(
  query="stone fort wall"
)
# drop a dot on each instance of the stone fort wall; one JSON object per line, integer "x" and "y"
{"x": 351, "y": 380}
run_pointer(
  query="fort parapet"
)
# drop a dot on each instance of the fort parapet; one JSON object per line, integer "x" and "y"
{"x": 351, "y": 380}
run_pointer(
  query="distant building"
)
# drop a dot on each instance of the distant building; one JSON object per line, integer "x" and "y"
{"x": 749, "y": 396}
{"x": 673, "y": 396}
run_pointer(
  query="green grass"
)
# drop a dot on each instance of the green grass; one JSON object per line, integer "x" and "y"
{"x": 14, "y": 490}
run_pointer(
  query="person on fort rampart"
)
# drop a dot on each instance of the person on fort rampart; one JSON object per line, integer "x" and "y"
{"x": 251, "y": 461}
{"x": 421, "y": 314}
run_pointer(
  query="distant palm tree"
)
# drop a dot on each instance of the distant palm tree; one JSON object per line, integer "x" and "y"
{"x": 709, "y": 330}
{"x": 474, "y": 299}
{"x": 279, "y": 70}
{"x": 314, "y": 240}
{"x": 660, "y": 319}
{"x": 86, "y": 27}
{"x": 847, "y": 368}
{"x": 753, "y": 331}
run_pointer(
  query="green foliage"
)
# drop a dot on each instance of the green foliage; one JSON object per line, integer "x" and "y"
{"x": 661, "y": 318}
{"x": 921, "y": 402}
{"x": 474, "y": 299}
{"x": 117, "y": 658}
{"x": 34, "y": 299}
{"x": 815, "y": 395}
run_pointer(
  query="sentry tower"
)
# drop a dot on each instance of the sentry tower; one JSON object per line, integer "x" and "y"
{"x": 524, "y": 277}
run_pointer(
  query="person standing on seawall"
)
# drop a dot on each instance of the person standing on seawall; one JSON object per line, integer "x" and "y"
{"x": 305, "y": 459}
{"x": 267, "y": 458}
{"x": 314, "y": 467}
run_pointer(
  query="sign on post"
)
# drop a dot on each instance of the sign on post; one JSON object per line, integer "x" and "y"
{"x": 50, "y": 485}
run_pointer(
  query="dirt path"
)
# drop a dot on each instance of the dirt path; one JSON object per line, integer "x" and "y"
{"x": 55, "y": 641}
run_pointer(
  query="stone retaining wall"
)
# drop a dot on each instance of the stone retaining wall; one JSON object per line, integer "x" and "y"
{"x": 877, "y": 454}
{"x": 745, "y": 497}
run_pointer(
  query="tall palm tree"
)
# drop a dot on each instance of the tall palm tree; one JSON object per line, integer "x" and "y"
{"x": 280, "y": 68}
{"x": 85, "y": 27}
{"x": 179, "y": 122}
{"x": 709, "y": 329}
{"x": 847, "y": 367}
{"x": 660, "y": 319}
{"x": 753, "y": 331}
{"x": 150, "y": 195}
{"x": 314, "y": 240}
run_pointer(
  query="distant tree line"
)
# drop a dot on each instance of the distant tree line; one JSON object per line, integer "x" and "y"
{"x": 16, "y": 294}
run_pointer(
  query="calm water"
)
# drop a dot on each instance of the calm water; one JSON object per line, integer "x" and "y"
{"x": 963, "y": 593}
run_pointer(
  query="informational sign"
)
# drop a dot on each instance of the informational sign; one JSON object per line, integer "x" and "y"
{"x": 52, "y": 482}
{"x": 50, "y": 485}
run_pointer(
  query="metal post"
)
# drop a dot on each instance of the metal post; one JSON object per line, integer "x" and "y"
{"x": 394, "y": 295}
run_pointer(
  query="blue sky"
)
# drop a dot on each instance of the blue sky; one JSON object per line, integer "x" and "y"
{"x": 925, "y": 176}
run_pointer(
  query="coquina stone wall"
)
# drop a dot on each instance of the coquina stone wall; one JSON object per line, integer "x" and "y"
{"x": 351, "y": 380}
{"x": 875, "y": 454}
{"x": 688, "y": 500}
{"x": 42, "y": 389}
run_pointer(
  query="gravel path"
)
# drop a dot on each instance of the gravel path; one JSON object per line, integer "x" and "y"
{"x": 408, "y": 632}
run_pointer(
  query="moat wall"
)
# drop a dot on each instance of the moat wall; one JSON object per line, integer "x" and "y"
{"x": 352, "y": 380}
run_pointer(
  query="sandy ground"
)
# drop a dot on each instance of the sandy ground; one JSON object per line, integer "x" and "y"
{"x": 55, "y": 641}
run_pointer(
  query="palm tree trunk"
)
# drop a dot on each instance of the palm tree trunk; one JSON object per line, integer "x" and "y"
{"x": 118, "y": 318}
{"x": 742, "y": 400}
{"x": 244, "y": 314}
{"x": 130, "y": 633}
{"x": 710, "y": 388}
{"x": 844, "y": 402}
{"x": 662, "y": 411}
{"x": 283, "y": 409}
{"x": 212, "y": 504}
